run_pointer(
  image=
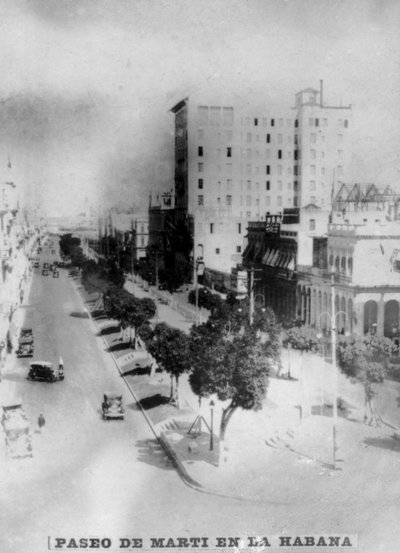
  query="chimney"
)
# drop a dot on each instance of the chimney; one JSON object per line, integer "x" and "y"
{"x": 321, "y": 92}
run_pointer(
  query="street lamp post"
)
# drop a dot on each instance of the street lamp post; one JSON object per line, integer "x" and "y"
{"x": 212, "y": 404}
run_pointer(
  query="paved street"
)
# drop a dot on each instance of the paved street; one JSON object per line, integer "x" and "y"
{"x": 90, "y": 477}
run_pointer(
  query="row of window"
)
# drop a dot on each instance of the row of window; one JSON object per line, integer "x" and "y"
{"x": 279, "y": 169}
{"x": 315, "y": 122}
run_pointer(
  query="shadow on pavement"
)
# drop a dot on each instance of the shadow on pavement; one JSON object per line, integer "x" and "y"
{"x": 344, "y": 411}
{"x": 384, "y": 443}
{"x": 119, "y": 346}
{"x": 153, "y": 401}
{"x": 79, "y": 314}
{"x": 137, "y": 371}
{"x": 151, "y": 453}
{"x": 108, "y": 330}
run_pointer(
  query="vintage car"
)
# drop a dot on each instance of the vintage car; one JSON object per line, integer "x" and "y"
{"x": 45, "y": 272}
{"x": 36, "y": 265}
{"x": 25, "y": 343}
{"x": 112, "y": 406}
{"x": 17, "y": 430}
{"x": 45, "y": 371}
{"x": 56, "y": 274}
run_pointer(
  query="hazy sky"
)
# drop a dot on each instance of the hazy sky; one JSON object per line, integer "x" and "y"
{"x": 86, "y": 85}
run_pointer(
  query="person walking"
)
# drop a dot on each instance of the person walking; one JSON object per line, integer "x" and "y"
{"x": 41, "y": 422}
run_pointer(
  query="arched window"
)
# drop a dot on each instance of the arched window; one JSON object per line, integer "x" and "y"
{"x": 331, "y": 260}
{"x": 337, "y": 264}
{"x": 350, "y": 265}
{"x": 370, "y": 317}
{"x": 343, "y": 264}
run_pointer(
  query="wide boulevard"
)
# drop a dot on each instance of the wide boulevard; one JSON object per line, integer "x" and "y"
{"x": 88, "y": 477}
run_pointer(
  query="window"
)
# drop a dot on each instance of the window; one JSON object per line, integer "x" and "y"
{"x": 288, "y": 122}
{"x": 268, "y": 138}
{"x": 255, "y": 122}
{"x": 296, "y": 123}
{"x": 295, "y": 201}
{"x": 248, "y": 170}
{"x": 289, "y": 185}
{"x": 229, "y": 200}
{"x": 200, "y": 167}
{"x": 312, "y": 169}
{"x": 272, "y": 122}
{"x": 322, "y": 170}
{"x": 211, "y": 228}
{"x": 229, "y": 184}
{"x": 310, "y": 122}
{"x": 248, "y": 200}
{"x": 340, "y": 137}
{"x": 248, "y": 214}
{"x": 229, "y": 168}
{"x": 279, "y": 154}
{"x": 228, "y": 135}
{"x": 267, "y": 185}
{"x": 280, "y": 138}
{"x": 279, "y": 185}
{"x": 279, "y": 170}
{"x": 313, "y": 154}
{"x": 325, "y": 122}
{"x": 239, "y": 227}
{"x": 142, "y": 241}
{"x": 340, "y": 154}
{"x": 202, "y": 113}
{"x": 268, "y": 170}
{"x": 229, "y": 152}
{"x": 312, "y": 199}
{"x": 317, "y": 122}
{"x": 268, "y": 154}
{"x": 200, "y": 150}
{"x": 264, "y": 121}
{"x": 200, "y": 183}
{"x": 217, "y": 251}
{"x": 340, "y": 171}
{"x": 227, "y": 116}
{"x": 311, "y": 224}
{"x": 218, "y": 200}
{"x": 238, "y": 249}
{"x": 248, "y": 153}
{"x": 200, "y": 200}
{"x": 267, "y": 201}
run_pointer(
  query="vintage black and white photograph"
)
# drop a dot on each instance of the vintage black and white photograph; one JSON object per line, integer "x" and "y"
{"x": 199, "y": 276}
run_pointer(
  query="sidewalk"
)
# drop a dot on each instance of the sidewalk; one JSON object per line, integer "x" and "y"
{"x": 292, "y": 436}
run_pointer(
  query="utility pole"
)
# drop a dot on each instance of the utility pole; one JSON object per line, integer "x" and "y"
{"x": 335, "y": 383}
{"x": 252, "y": 280}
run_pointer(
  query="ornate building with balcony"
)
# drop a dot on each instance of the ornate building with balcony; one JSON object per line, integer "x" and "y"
{"x": 362, "y": 251}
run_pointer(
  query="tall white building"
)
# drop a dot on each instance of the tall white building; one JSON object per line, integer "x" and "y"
{"x": 233, "y": 165}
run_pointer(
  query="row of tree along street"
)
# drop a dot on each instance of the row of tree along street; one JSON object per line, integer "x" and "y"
{"x": 227, "y": 356}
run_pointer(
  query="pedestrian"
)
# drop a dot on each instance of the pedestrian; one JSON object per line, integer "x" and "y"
{"x": 41, "y": 422}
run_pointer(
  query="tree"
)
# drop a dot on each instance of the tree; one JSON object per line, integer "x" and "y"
{"x": 366, "y": 359}
{"x": 232, "y": 359}
{"x": 128, "y": 310}
{"x": 170, "y": 348}
{"x": 68, "y": 243}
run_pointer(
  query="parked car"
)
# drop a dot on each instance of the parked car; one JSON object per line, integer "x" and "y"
{"x": 53, "y": 251}
{"x": 46, "y": 371}
{"x": 56, "y": 274}
{"x": 25, "y": 343}
{"x": 112, "y": 406}
{"x": 45, "y": 272}
{"x": 36, "y": 265}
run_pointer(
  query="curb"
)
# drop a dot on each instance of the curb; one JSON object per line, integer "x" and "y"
{"x": 186, "y": 478}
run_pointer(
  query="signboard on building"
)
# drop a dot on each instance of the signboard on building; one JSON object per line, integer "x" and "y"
{"x": 239, "y": 281}
{"x": 291, "y": 216}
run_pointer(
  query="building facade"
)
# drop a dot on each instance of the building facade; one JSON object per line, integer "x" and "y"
{"x": 234, "y": 165}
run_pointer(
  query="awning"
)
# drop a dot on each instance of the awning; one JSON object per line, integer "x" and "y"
{"x": 257, "y": 254}
{"x": 292, "y": 263}
{"x": 249, "y": 250}
{"x": 265, "y": 256}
